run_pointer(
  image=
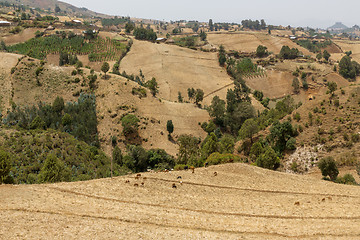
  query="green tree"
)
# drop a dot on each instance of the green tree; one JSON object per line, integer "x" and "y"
{"x": 188, "y": 149}
{"x": 326, "y": 55}
{"x": 261, "y": 51}
{"x": 58, "y": 105}
{"x": 328, "y": 167}
{"x": 37, "y": 123}
{"x": 280, "y": 133}
{"x": 117, "y": 156}
{"x": 170, "y": 127}
{"x": 296, "y": 85}
{"x": 249, "y": 128}
{"x": 105, "y": 68}
{"x": 203, "y": 35}
{"x": 180, "y": 98}
{"x": 129, "y": 26}
{"x": 191, "y": 93}
{"x": 5, "y": 166}
{"x": 199, "y": 96}
{"x": 211, "y": 25}
{"x": 332, "y": 86}
{"x": 217, "y": 110}
{"x": 268, "y": 159}
{"x": 57, "y": 9}
{"x": 209, "y": 146}
{"x": 153, "y": 86}
{"x": 51, "y": 170}
{"x": 130, "y": 124}
{"x": 227, "y": 144}
{"x": 319, "y": 56}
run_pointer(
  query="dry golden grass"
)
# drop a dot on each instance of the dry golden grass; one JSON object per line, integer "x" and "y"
{"x": 249, "y": 41}
{"x": 177, "y": 69}
{"x": 240, "y": 202}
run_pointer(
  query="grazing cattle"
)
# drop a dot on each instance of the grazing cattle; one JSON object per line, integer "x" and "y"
{"x": 136, "y": 185}
{"x": 138, "y": 175}
{"x": 323, "y": 200}
{"x": 174, "y": 185}
{"x": 297, "y": 203}
{"x": 215, "y": 174}
{"x": 180, "y": 182}
{"x": 186, "y": 167}
{"x": 127, "y": 181}
{"x": 193, "y": 169}
{"x": 330, "y": 198}
{"x": 144, "y": 178}
{"x": 206, "y": 164}
{"x": 142, "y": 184}
{"x": 179, "y": 177}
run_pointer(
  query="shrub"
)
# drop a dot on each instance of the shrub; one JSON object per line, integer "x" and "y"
{"x": 346, "y": 179}
{"x": 218, "y": 158}
{"x": 268, "y": 159}
{"x": 52, "y": 170}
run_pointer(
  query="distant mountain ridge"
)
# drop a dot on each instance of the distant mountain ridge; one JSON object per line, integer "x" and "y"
{"x": 51, "y": 4}
{"x": 338, "y": 26}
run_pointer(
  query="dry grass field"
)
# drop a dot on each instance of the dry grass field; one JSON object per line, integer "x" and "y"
{"x": 23, "y": 36}
{"x": 241, "y": 202}
{"x": 176, "y": 69}
{"x": 347, "y": 45}
{"x": 249, "y": 41}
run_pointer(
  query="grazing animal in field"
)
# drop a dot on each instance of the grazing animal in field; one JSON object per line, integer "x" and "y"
{"x": 193, "y": 169}
{"x": 186, "y": 167}
{"x": 179, "y": 177}
{"x": 180, "y": 182}
{"x": 215, "y": 174}
{"x": 206, "y": 164}
{"x": 173, "y": 185}
{"x": 323, "y": 200}
{"x": 136, "y": 185}
{"x": 142, "y": 184}
{"x": 330, "y": 198}
{"x": 297, "y": 203}
{"x": 127, "y": 181}
{"x": 138, "y": 175}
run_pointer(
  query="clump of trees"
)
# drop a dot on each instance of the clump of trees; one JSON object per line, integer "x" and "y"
{"x": 78, "y": 118}
{"x": 255, "y": 25}
{"x": 287, "y": 53}
{"x": 261, "y": 51}
{"x": 141, "y": 33}
{"x": 349, "y": 69}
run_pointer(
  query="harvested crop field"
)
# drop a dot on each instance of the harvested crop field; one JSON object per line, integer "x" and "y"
{"x": 248, "y": 42}
{"x": 176, "y": 69}
{"x": 240, "y": 202}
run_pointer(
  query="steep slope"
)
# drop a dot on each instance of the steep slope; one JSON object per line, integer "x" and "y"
{"x": 240, "y": 202}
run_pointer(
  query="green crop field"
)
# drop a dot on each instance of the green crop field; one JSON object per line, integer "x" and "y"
{"x": 98, "y": 49}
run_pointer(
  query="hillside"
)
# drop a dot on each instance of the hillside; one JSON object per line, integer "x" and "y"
{"x": 240, "y": 202}
{"x": 176, "y": 69}
{"x": 50, "y": 4}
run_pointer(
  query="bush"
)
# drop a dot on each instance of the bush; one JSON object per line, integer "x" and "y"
{"x": 52, "y": 170}
{"x": 218, "y": 158}
{"x": 328, "y": 167}
{"x": 346, "y": 179}
{"x": 268, "y": 159}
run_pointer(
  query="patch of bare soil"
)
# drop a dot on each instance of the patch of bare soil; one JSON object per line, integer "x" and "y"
{"x": 240, "y": 202}
{"x": 23, "y": 36}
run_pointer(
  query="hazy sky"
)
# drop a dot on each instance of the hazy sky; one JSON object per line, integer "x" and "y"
{"x": 312, "y": 13}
